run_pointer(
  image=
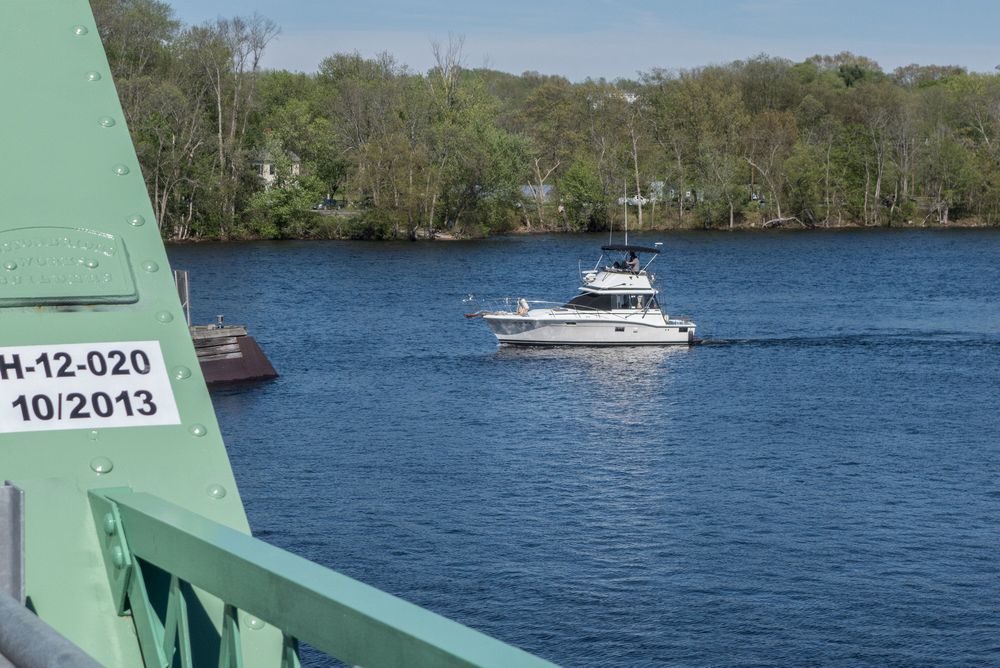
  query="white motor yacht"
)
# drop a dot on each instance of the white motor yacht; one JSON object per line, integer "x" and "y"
{"x": 617, "y": 306}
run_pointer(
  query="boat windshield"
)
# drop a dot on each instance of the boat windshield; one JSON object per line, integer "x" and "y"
{"x": 627, "y": 259}
{"x": 589, "y": 301}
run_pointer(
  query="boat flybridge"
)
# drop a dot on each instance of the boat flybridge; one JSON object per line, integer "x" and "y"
{"x": 617, "y": 306}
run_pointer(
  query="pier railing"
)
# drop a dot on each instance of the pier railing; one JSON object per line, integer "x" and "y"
{"x": 348, "y": 620}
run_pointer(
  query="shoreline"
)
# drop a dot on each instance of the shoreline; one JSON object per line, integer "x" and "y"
{"x": 446, "y": 237}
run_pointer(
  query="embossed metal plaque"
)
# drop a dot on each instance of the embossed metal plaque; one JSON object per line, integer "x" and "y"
{"x": 63, "y": 265}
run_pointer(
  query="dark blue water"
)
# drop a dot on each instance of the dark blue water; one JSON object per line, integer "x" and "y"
{"x": 820, "y": 486}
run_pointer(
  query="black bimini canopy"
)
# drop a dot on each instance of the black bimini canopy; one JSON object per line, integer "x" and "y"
{"x": 630, "y": 247}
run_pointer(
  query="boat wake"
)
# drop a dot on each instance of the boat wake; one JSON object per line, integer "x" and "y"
{"x": 861, "y": 340}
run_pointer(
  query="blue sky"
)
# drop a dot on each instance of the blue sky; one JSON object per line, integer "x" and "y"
{"x": 611, "y": 39}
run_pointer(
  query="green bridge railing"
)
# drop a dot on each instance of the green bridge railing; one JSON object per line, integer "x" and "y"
{"x": 348, "y": 620}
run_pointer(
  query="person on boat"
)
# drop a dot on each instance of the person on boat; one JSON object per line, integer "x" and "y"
{"x": 633, "y": 262}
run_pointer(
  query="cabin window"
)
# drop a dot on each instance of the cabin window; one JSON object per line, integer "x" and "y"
{"x": 682, "y": 329}
{"x": 589, "y": 301}
{"x": 619, "y": 329}
{"x": 632, "y": 302}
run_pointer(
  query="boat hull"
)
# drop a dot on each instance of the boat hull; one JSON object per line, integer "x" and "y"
{"x": 590, "y": 329}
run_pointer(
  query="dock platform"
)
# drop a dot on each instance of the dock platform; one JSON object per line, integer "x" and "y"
{"x": 228, "y": 354}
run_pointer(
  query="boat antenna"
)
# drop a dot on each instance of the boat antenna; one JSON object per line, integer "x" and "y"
{"x": 626, "y": 212}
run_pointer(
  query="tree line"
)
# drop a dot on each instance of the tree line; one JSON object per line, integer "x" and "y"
{"x": 392, "y": 153}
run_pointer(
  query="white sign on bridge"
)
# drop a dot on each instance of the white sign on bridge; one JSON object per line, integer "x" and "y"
{"x": 84, "y": 386}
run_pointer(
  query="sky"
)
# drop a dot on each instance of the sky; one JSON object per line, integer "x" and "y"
{"x": 613, "y": 39}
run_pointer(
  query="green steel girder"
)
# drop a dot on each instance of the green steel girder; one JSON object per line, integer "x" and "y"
{"x": 177, "y": 628}
{"x": 118, "y": 562}
{"x": 347, "y": 619}
{"x": 82, "y": 264}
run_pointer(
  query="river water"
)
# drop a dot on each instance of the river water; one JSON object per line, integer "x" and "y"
{"x": 819, "y": 484}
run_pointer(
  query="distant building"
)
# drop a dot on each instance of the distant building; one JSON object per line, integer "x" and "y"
{"x": 633, "y": 201}
{"x": 267, "y": 168}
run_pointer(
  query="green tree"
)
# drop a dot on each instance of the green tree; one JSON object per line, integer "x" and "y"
{"x": 583, "y": 196}
{"x": 228, "y": 55}
{"x": 551, "y": 119}
{"x": 769, "y": 140}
